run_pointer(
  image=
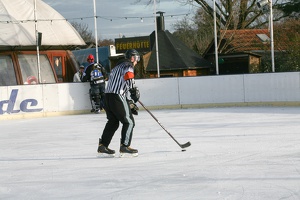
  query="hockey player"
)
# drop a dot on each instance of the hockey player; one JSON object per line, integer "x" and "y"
{"x": 120, "y": 83}
{"x": 90, "y": 59}
{"x": 95, "y": 73}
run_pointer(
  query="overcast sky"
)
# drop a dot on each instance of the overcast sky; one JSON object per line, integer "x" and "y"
{"x": 112, "y": 22}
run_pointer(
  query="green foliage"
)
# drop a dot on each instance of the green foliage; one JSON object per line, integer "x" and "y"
{"x": 287, "y": 40}
{"x": 290, "y": 8}
{"x": 287, "y": 34}
{"x": 197, "y": 33}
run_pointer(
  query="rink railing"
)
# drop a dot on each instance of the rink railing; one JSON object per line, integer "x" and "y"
{"x": 280, "y": 89}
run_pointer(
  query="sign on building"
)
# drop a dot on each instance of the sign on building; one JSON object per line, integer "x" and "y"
{"x": 141, "y": 44}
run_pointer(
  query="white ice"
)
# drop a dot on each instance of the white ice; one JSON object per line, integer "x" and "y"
{"x": 247, "y": 153}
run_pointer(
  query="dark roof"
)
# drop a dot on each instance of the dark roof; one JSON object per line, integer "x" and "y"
{"x": 173, "y": 54}
{"x": 245, "y": 40}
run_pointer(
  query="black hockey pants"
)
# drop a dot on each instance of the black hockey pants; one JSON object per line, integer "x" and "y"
{"x": 97, "y": 95}
{"x": 117, "y": 110}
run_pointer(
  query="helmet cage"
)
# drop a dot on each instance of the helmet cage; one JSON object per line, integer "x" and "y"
{"x": 136, "y": 58}
{"x": 132, "y": 52}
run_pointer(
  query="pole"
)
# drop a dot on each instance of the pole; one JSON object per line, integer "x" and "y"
{"x": 156, "y": 41}
{"x": 37, "y": 44}
{"x": 216, "y": 39}
{"x": 272, "y": 36}
{"x": 96, "y": 33}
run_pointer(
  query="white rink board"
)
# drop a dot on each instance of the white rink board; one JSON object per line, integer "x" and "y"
{"x": 40, "y": 100}
{"x": 71, "y": 98}
{"x": 51, "y": 104}
{"x": 211, "y": 89}
{"x": 76, "y": 96}
{"x": 159, "y": 92}
{"x": 19, "y": 99}
{"x": 276, "y": 87}
{"x": 67, "y": 97}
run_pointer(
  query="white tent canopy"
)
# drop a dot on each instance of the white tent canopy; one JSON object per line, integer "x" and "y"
{"x": 18, "y": 25}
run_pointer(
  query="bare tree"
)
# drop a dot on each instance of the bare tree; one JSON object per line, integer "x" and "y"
{"x": 105, "y": 42}
{"x": 87, "y": 35}
{"x": 84, "y": 32}
{"x": 240, "y": 14}
{"x": 197, "y": 32}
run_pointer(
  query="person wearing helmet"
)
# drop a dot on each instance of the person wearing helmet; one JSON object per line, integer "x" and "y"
{"x": 119, "y": 85}
{"x": 95, "y": 73}
{"x": 90, "y": 59}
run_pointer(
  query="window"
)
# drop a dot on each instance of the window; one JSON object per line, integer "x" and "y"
{"x": 263, "y": 37}
{"x": 7, "y": 71}
{"x": 58, "y": 68}
{"x": 29, "y": 69}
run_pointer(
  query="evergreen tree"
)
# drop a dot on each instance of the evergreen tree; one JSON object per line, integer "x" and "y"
{"x": 290, "y": 8}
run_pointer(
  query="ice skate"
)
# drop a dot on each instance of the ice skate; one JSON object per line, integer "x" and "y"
{"x": 97, "y": 111}
{"x": 128, "y": 152}
{"x": 104, "y": 151}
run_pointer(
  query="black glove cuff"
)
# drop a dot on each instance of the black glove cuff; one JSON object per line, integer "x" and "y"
{"x": 134, "y": 94}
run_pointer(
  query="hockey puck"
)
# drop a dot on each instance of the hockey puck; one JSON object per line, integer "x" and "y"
{"x": 183, "y": 149}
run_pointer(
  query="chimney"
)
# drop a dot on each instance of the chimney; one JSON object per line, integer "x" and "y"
{"x": 160, "y": 21}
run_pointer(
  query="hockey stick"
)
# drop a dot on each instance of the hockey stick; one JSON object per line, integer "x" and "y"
{"x": 181, "y": 145}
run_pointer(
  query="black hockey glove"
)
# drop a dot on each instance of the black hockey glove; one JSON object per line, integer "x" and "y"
{"x": 133, "y": 107}
{"x": 134, "y": 94}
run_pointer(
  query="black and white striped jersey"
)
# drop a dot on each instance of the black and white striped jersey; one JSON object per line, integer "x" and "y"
{"x": 121, "y": 79}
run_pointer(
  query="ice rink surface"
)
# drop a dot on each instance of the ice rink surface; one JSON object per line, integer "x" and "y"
{"x": 239, "y": 153}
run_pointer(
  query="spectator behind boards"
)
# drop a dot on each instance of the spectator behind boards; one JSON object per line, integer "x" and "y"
{"x": 77, "y": 76}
